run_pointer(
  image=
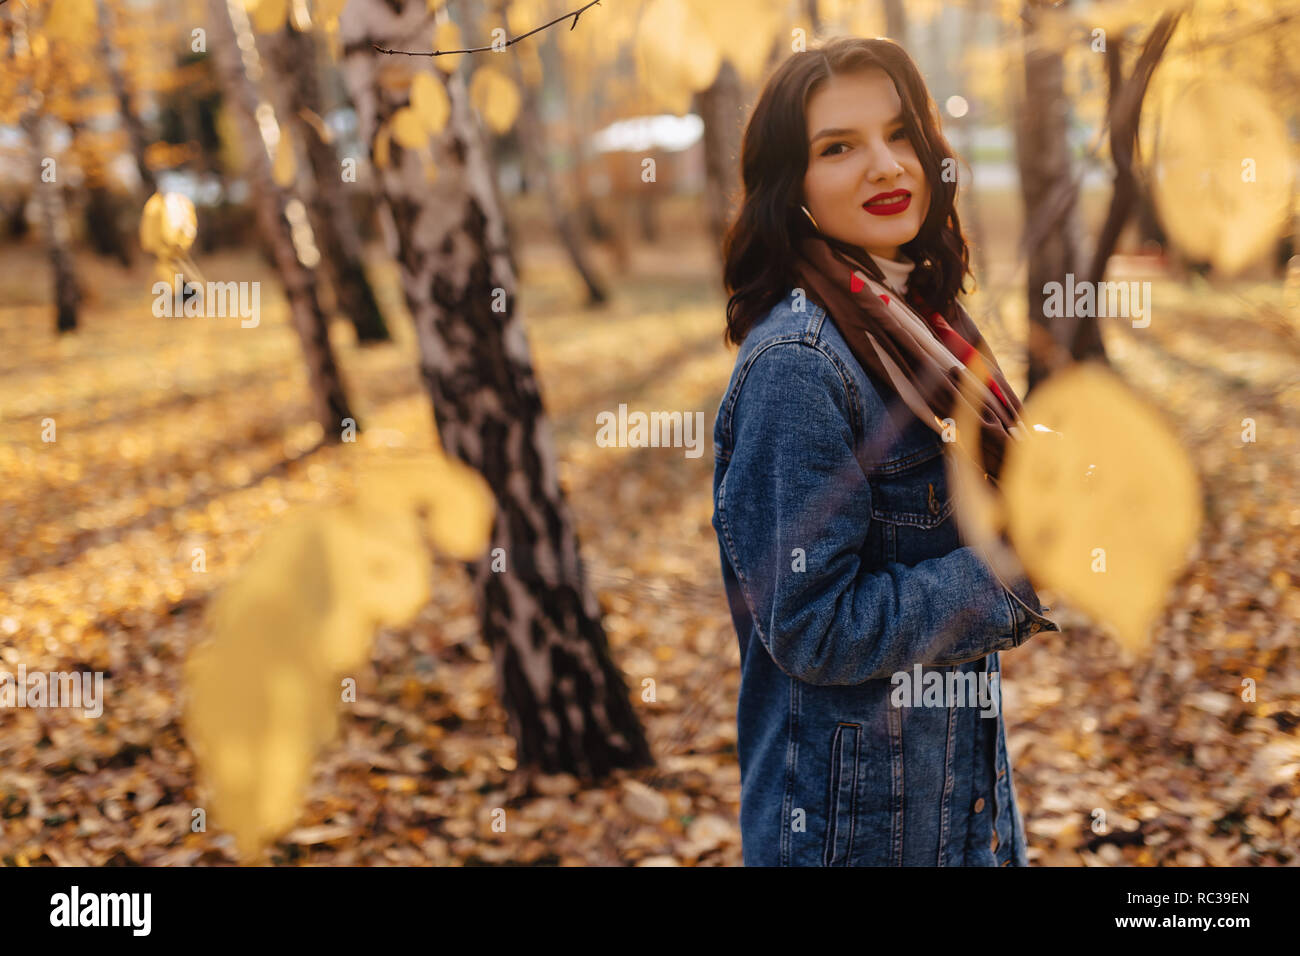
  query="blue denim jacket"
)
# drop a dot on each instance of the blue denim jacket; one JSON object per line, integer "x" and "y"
{"x": 847, "y": 580}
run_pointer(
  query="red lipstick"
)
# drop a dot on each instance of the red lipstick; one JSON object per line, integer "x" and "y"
{"x": 888, "y": 204}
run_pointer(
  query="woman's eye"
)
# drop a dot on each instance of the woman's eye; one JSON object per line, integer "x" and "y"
{"x": 833, "y": 149}
{"x": 900, "y": 133}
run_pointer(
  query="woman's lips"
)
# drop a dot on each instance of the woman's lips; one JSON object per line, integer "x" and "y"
{"x": 897, "y": 202}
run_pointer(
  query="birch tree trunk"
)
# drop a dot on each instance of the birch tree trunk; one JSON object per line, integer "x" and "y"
{"x": 293, "y": 61}
{"x": 54, "y": 225}
{"x": 329, "y": 400}
{"x": 47, "y": 190}
{"x": 566, "y": 702}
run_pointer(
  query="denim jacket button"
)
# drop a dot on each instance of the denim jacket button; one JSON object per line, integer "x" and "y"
{"x": 979, "y": 804}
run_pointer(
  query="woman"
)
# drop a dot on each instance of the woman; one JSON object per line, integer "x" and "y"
{"x": 869, "y": 720}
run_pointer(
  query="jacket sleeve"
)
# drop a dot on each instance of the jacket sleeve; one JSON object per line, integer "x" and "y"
{"x": 795, "y": 482}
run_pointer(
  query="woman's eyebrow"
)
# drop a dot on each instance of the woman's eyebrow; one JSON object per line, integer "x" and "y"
{"x": 845, "y": 131}
{"x": 833, "y": 131}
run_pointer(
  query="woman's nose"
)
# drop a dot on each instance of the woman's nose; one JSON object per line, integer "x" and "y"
{"x": 881, "y": 164}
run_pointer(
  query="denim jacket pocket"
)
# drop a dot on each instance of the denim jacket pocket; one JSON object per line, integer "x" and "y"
{"x": 911, "y": 503}
{"x": 840, "y": 808}
{"x": 863, "y": 782}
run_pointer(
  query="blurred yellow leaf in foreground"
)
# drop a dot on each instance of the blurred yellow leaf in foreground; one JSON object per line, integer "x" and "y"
{"x": 264, "y": 690}
{"x": 1223, "y": 172}
{"x": 1105, "y": 513}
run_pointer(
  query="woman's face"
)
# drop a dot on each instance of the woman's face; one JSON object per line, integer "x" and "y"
{"x": 858, "y": 151}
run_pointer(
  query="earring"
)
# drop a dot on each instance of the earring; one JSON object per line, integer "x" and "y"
{"x": 810, "y": 217}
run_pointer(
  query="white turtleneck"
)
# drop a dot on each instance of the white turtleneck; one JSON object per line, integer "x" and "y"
{"x": 896, "y": 271}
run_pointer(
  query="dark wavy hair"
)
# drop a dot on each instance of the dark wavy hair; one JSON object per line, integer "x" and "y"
{"x": 760, "y": 247}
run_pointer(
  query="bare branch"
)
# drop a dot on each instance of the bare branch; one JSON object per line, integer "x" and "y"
{"x": 574, "y": 14}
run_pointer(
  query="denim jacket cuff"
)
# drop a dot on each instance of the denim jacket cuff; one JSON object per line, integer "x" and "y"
{"x": 1028, "y": 615}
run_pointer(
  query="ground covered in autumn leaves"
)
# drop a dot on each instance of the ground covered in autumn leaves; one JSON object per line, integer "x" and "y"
{"x": 182, "y": 434}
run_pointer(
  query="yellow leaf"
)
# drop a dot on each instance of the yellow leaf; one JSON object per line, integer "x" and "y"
{"x": 525, "y": 15}
{"x": 72, "y": 20}
{"x": 168, "y": 225}
{"x": 408, "y": 130}
{"x": 446, "y": 36}
{"x": 267, "y": 15}
{"x": 741, "y": 30}
{"x": 179, "y": 222}
{"x": 382, "y": 565}
{"x": 457, "y": 503}
{"x": 285, "y": 168}
{"x": 496, "y": 98}
{"x": 263, "y": 692}
{"x": 674, "y": 53}
{"x": 1105, "y": 512}
{"x": 1223, "y": 172}
{"x": 429, "y": 101}
{"x": 259, "y": 703}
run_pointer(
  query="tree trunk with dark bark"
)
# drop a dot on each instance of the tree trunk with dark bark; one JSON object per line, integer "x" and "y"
{"x": 1124, "y": 109}
{"x": 896, "y": 21}
{"x": 102, "y": 230}
{"x": 1049, "y": 190}
{"x": 135, "y": 133}
{"x": 566, "y": 702}
{"x": 535, "y": 152}
{"x": 329, "y": 399}
{"x": 722, "y": 110}
{"x": 54, "y": 226}
{"x": 293, "y": 62}
{"x": 812, "y": 10}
